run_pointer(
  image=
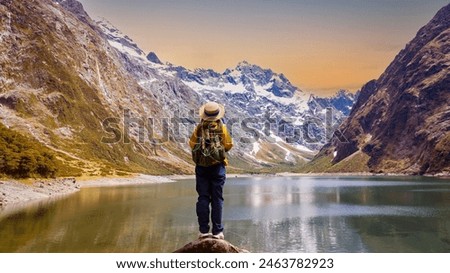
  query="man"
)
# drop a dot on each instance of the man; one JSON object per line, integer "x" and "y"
{"x": 209, "y": 143}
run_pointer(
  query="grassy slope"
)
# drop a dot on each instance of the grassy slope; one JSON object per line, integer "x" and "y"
{"x": 355, "y": 163}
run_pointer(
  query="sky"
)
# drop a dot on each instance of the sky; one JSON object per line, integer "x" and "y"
{"x": 321, "y": 46}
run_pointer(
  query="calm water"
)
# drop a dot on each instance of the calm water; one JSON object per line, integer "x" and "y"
{"x": 276, "y": 214}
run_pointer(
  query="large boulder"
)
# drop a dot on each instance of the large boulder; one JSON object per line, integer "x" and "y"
{"x": 210, "y": 245}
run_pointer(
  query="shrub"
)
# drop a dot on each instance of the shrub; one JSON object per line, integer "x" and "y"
{"x": 23, "y": 157}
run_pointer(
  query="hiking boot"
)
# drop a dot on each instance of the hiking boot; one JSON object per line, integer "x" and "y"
{"x": 204, "y": 235}
{"x": 219, "y": 236}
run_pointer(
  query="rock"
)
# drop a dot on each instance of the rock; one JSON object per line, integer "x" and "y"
{"x": 210, "y": 245}
{"x": 152, "y": 57}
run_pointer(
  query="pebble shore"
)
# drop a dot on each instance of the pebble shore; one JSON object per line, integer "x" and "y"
{"x": 14, "y": 193}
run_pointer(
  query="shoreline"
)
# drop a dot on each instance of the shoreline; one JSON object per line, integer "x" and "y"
{"x": 18, "y": 194}
{"x": 138, "y": 179}
{"x": 15, "y": 194}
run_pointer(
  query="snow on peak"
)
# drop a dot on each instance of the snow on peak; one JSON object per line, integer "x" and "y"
{"x": 120, "y": 41}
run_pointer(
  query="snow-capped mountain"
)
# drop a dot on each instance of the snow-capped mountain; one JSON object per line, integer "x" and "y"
{"x": 271, "y": 120}
{"x": 342, "y": 101}
{"x": 244, "y": 77}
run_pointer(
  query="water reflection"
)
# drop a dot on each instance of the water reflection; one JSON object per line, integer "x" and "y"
{"x": 304, "y": 214}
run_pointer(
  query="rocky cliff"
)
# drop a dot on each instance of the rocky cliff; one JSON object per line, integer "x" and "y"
{"x": 61, "y": 81}
{"x": 401, "y": 121}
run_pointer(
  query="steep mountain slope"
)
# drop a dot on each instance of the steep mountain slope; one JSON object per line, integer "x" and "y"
{"x": 401, "y": 122}
{"x": 61, "y": 80}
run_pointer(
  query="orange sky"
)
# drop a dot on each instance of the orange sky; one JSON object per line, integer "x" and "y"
{"x": 320, "y": 45}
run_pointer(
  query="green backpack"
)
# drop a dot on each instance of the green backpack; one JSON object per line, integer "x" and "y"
{"x": 209, "y": 149}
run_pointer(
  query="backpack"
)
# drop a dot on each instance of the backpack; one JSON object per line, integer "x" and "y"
{"x": 209, "y": 149}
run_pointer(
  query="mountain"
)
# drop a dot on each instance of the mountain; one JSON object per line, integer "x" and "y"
{"x": 63, "y": 84}
{"x": 401, "y": 121}
{"x": 100, "y": 105}
{"x": 342, "y": 101}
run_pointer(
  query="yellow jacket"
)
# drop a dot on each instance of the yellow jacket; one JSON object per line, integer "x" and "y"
{"x": 225, "y": 136}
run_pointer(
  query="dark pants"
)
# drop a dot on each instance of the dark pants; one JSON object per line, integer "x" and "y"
{"x": 210, "y": 182}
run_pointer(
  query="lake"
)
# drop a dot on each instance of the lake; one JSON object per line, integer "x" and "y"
{"x": 261, "y": 214}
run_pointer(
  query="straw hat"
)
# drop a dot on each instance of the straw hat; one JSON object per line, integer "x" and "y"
{"x": 211, "y": 111}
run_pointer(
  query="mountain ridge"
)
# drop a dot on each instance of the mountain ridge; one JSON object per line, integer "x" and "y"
{"x": 401, "y": 121}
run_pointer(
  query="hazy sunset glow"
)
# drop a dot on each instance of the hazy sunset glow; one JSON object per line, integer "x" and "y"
{"x": 321, "y": 46}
